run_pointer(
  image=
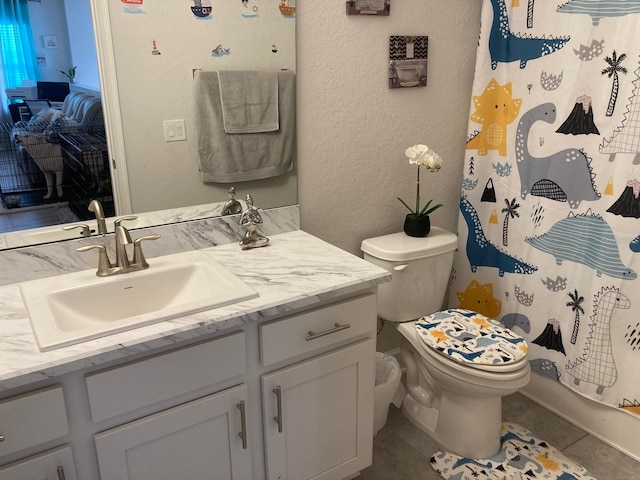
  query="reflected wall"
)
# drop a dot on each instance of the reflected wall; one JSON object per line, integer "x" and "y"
{"x": 156, "y": 49}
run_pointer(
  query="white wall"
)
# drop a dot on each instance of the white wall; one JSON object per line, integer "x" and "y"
{"x": 353, "y": 130}
{"x": 70, "y": 22}
{"x": 82, "y": 44}
{"x": 48, "y": 18}
{"x": 154, "y": 88}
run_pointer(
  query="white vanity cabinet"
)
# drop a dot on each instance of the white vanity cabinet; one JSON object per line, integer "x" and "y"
{"x": 319, "y": 416}
{"x": 55, "y": 464}
{"x": 197, "y": 439}
{"x": 284, "y": 398}
{"x": 318, "y": 413}
{"x": 28, "y": 422}
{"x": 204, "y": 438}
{"x": 309, "y": 414}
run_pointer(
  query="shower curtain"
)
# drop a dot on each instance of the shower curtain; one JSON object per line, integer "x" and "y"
{"x": 549, "y": 229}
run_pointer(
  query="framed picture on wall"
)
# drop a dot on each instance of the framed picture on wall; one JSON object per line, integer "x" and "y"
{"x": 50, "y": 41}
{"x": 408, "y": 61}
{"x": 368, "y": 7}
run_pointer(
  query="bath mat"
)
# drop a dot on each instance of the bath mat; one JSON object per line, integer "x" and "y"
{"x": 523, "y": 456}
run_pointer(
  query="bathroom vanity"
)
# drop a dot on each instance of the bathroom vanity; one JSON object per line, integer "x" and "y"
{"x": 275, "y": 387}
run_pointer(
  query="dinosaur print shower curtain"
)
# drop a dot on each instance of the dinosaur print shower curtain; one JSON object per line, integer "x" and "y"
{"x": 549, "y": 222}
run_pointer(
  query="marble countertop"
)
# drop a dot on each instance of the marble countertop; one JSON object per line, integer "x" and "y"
{"x": 296, "y": 270}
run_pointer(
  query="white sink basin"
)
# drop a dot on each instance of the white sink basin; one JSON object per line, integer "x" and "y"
{"x": 75, "y": 307}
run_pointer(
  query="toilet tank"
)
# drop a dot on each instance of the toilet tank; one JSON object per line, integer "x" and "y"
{"x": 420, "y": 268}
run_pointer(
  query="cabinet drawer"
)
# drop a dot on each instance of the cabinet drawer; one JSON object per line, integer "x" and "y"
{"x": 32, "y": 419}
{"x": 139, "y": 384}
{"x": 52, "y": 464}
{"x": 299, "y": 334}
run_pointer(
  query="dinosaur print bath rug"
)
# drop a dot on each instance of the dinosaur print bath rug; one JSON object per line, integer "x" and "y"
{"x": 523, "y": 456}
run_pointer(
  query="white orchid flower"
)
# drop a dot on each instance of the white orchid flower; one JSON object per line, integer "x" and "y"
{"x": 417, "y": 154}
{"x": 422, "y": 156}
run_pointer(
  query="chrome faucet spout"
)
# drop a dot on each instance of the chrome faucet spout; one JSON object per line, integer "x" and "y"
{"x": 96, "y": 207}
{"x": 122, "y": 240}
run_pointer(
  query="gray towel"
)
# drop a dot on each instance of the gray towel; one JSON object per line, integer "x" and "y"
{"x": 249, "y": 101}
{"x": 228, "y": 158}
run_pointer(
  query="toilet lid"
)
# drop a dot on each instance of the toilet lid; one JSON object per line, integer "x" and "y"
{"x": 471, "y": 338}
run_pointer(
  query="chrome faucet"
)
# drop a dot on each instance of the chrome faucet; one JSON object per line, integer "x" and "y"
{"x": 122, "y": 264}
{"x": 122, "y": 240}
{"x": 96, "y": 207}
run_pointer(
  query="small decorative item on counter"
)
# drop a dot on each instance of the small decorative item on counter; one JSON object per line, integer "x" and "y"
{"x": 249, "y": 219}
{"x": 417, "y": 223}
{"x": 232, "y": 206}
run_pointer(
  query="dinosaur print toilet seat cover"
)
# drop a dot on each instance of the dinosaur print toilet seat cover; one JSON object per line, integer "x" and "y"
{"x": 471, "y": 338}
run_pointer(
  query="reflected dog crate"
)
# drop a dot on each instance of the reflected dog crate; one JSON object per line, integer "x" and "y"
{"x": 86, "y": 171}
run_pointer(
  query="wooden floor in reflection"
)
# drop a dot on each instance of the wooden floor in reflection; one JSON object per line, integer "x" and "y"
{"x": 21, "y": 218}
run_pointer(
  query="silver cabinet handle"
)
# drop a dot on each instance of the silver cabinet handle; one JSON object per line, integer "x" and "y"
{"x": 278, "y": 417}
{"x": 336, "y": 328}
{"x": 243, "y": 424}
{"x": 61, "y": 473}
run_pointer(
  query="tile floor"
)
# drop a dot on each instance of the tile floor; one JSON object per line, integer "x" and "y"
{"x": 402, "y": 452}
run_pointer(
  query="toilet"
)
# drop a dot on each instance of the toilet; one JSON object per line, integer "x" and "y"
{"x": 459, "y": 363}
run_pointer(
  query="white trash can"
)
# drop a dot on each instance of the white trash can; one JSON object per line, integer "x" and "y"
{"x": 388, "y": 388}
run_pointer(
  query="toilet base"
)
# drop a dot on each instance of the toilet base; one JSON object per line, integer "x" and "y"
{"x": 468, "y": 426}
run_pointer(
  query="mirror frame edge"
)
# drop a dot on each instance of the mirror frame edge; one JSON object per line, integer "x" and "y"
{"x": 111, "y": 106}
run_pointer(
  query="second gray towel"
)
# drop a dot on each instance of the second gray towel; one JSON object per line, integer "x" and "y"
{"x": 249, "y": 101}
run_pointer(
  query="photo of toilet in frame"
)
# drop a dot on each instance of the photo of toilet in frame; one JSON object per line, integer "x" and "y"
{"x": 408, "y": 61}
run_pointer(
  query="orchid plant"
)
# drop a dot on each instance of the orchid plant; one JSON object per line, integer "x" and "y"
{"x": 423, "y": 157}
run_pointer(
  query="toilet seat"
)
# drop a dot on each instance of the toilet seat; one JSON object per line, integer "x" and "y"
{"x": 471, "y": 339}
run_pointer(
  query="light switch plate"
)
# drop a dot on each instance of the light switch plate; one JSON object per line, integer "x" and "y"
{"x": 174, "y": 130}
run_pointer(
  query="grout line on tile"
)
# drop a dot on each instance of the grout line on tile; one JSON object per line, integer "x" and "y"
{"x": 575, "y": 441}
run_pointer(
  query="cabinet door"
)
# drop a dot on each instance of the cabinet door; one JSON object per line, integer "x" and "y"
{"x": 53, "y": 464}
{"x": 318, "y": 415}
{"x": 198, "y": 440}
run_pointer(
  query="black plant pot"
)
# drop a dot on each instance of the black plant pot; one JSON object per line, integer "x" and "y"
{"x": 417, "y": 226}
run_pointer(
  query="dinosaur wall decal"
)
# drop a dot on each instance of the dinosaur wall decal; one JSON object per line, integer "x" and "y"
{"x": 564, "y": 176}
{"x": 482, "y": 253}
{"x": 505, "y": 46}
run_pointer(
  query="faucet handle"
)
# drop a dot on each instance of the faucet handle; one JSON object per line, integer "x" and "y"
{"x": 126, "y": 218}
{"x": 86, "y": 232}
{"x": 104, "y": 264}
{"x": 138, "y": 256}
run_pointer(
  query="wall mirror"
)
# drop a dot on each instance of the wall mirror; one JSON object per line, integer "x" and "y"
{"x": 146, "y": 53}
